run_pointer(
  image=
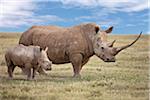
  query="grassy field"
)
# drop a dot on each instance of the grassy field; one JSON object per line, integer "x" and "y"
{"x": 126, "y": 79}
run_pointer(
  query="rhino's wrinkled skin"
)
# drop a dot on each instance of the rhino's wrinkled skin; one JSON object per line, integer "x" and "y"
{"x": 27, "y": 40}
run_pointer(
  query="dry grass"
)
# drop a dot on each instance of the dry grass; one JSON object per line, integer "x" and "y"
{"x": 126, "y": 79}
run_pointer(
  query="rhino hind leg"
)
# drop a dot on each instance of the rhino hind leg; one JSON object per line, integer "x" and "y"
{"x": 10, "y": 67}
{"x": 10, "y": 71}
{"x": 76, "y": 61}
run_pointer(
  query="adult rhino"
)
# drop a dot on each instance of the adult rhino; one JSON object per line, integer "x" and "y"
{"x": 73, "y": 45}
{"x": 26, "y": 37}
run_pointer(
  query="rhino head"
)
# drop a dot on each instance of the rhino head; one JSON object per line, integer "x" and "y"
{"x": 43, "y": 60}
{"x": 106, "y": 51}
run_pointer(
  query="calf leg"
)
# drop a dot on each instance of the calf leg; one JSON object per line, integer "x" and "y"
{"x": 33, "y": 74}
{"x": 40, "y": 71}
{"x": 10, "y": 66}
{"x": 28, "y": 73}
{"x": 28, "y": 67}
{"x": 10, "y": 71}
{"x": 76, "y": 60}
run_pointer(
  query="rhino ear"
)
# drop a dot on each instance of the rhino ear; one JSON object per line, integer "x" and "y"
{"x": 96, "y": 29}
{"x": 40, "y": 49}
{"x": 109, "y": 30}
{"x": 46, "y": 49}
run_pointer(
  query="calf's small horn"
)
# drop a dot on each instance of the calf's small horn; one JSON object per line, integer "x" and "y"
{"x": 118, "y": 49}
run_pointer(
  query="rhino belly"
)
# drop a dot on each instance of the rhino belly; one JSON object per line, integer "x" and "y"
{"x": 58, "y": 56}
{"x": 60, "y": 61}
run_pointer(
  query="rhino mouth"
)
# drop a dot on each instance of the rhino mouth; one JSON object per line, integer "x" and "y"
{"x": 48, "y": 69}
{"x": 109, "y": 61}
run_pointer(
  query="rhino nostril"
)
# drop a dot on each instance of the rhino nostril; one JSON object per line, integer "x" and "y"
{"x": 107, "y": 59}
{"x": 49, "y": 69}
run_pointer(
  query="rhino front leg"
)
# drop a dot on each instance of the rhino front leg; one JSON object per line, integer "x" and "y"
{"x": 28, "y": 67}
{"x": 76, "y": 60}
{"x": 10, "y": 66}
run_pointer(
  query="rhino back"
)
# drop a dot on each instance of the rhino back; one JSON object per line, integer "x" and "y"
{"x": 50, "y": 27}
{"x": 26, "y": 37}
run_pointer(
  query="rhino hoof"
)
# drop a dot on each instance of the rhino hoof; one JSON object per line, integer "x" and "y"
{"x": 29, "y": 79}
{"x": 76, "y": 76}
{"x": 10, "y": 78}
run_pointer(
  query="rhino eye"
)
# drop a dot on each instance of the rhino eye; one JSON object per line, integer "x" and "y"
{"x": 102, "y": 48}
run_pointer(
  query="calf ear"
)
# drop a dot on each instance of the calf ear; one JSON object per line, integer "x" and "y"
{"x": 96, "y": 29}
{"x": 40, "y": 49}
{"x": 109, "y": 30}
{"x": 46, "y": 49}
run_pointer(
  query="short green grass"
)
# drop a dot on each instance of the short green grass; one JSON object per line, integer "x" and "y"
{"x": 126, "y": 79}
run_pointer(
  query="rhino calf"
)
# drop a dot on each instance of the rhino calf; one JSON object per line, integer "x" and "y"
{"x": 27, "y": 57}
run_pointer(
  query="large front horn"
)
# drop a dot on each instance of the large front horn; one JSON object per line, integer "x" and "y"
{"x": 118, "y": 49}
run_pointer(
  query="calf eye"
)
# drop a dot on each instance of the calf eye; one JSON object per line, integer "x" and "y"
{"x": 102, "y": 48}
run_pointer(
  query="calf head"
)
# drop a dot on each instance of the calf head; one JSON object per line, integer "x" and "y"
{"x": 106, "y": 51}
{"x": 43, "y": 61}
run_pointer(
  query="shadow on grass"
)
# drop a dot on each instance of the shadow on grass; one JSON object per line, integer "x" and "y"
{"x": 44, "y": 78}
{"x": 6, "y": 79}
{"x": 6, "y": 96}
{"x": 58, "y": 78}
